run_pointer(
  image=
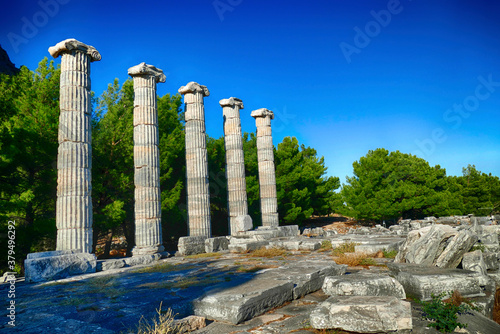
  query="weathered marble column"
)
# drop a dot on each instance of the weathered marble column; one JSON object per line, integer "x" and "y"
{"x": 198, "y": 197}
{"x": 74, "y": 160}
{"x": 148, "y": 238}
{"x": 267, "y": 176}
{"x": 239, "y": 220}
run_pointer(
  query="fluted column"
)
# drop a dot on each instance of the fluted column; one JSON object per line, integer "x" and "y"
{"x": 148, "y": 238}
{"x": 74, "y": 159}
{"x": 198, "y": 197}
{"x": 239, "y": 220}
{"x": 267, "y": 176}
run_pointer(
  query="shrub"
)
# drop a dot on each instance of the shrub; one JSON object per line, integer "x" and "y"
{"x": 444, "y": 314}
{"x": 390, "y": 254}
{"x": 354, "y": 259}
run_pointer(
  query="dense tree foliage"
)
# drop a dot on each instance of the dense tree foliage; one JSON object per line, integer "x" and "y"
{"x": 389, "y": 186}
{"x": 29, "y": 103}
{"x": 385, "y": 185}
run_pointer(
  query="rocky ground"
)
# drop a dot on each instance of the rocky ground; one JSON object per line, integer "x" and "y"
{"x": 115, "y": 301}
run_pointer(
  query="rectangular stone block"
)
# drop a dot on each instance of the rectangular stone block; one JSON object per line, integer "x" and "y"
{"x": 422, "y": 281}
{"x": 245, "y": 301}
{"x": 191, "y": 245}
{"x": 244, "y": 246}
{"x": 262, "y": 122}
{"x": 217, "y": 244}
{"x": 56, "y": 265}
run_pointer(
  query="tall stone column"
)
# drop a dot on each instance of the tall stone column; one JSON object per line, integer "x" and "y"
{"x": 74, "y": 159}
{"x": 239, "y": 220}
{"x": 148, "y": 238}
{"x": 267, "y": 176}
{"x": 198, "y": 197}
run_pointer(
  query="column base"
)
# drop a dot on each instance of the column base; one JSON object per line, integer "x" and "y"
{"x": 147, "y": 250}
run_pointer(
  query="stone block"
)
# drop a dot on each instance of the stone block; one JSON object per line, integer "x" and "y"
{"x": 421, "y": 281}
{"x": 249, "y": 245}
{"x": 243, "y": 223}
{"x": 216, "y": 244}
{"x": 473, "y": 261}
{"x": 427, "y": 248}
{"x": 363, "y": 285}
{"x": 191, "y": 245}
{"x": 103, "y": 265}
{"x": 142, "y": 259}
{"x": 244, "y": 301}
{"x": 307, "y": 277}
{"x": 363, "y": 314}
{"x": 47, "y": 266}
{"x": 457, "y": 246}
{"x": 491, "y": 260}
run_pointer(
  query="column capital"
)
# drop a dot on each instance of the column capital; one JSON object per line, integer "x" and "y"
{"x": 262, "y": 112}
{"x": 231, "y": 102}
{"x": 71, "y": 44}
{"x": 194, "y": 87}
{"x": 144, "y": 69}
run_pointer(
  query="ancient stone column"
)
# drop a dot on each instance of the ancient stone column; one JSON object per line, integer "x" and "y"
{"x": 198, "y": 197}
{"x": 74, "y": 160}
{"x": 239, "y": 220}
{"x": 267, "y": 177}
{"x": 148, "y": 238}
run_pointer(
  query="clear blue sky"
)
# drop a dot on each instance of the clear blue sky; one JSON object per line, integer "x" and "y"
{"x": 344, "y": 77}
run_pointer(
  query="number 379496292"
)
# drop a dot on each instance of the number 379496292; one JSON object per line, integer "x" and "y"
{"x": 11, "y": 242}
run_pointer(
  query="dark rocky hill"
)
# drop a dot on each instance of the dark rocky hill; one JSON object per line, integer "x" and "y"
{"x": 6, "y": 66}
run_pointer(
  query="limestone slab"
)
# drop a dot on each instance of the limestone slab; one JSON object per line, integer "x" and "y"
{"x": 362, "y": 314}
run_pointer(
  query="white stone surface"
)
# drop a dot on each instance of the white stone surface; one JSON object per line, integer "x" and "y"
{"x": 198, "y": 196}
{"x": 267, "y": 177}
{"x": 235, "y": 166}
{"x": 148, "y": 231}
{"x": 74, "y": 161}
{"x": 363, "y": 314}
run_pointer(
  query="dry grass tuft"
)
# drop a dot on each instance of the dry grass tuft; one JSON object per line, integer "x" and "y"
{"x": 253, "y": 269}
{"x": 163, "y": 324}
{"x": 496, "y": 307}
{"x": 346, "y": 247}
{"x": 354, "y": 259}
{"x": 204, "y": 255}
{"x": 455, "y": 298}
{"x": 268, "y": 252}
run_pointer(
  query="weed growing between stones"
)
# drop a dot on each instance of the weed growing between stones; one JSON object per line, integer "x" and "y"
{"x": 390, "y": 254}
{"x": 204, "y": 255}
{"x": 268, "y": 252}
{"x": 346, "y": 247}
{"x": 444, "y": 313}
{"x": 478, "y": 246}
{"x": 163, "y": 323}
{"x": 354, "y": 259}
{"x": 326, "y": 245}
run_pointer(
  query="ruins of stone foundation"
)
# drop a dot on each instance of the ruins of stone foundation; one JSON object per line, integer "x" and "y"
{"x": 435, "y": 255}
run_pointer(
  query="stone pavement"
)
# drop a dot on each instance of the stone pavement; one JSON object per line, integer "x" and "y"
{"x": 114, "y": 301}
